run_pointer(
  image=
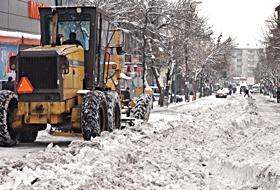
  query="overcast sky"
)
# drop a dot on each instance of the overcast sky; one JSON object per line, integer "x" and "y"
{"x": 242, "y": 19}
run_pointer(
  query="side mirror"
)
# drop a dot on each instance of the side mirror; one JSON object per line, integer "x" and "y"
{"x": 13, "y": 63}
{"x": 64, "y": 64}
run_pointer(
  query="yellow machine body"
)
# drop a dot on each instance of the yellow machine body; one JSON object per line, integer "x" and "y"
{"x": 52, "y": 112}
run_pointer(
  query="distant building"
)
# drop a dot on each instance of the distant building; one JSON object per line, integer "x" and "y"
{"x": 19, "y": 28}
{"x": 244, "y": 61}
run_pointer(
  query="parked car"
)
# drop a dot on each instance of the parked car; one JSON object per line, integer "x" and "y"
{"x": 222, "y": 93}
{"x": 255, "y": 88}
{"x": 156, "y": 93}
{"x": 226, "y": 90}
{"x": 178, "y": 98}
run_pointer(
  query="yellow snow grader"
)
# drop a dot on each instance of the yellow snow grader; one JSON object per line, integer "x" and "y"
{"x": 70, "y": 81}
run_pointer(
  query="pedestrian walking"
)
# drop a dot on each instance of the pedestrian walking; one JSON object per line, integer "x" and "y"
{"x": 126, "y": 97}
{"x": 246, "y": 93}
{"x": 278, "y": 95}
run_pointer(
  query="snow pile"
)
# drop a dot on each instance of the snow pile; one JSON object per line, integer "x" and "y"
{"x": 135, "y": 158}
{"x": 207, "y": 144}
{"x": 249, "y": 155}
{"x": 160, "y": 154}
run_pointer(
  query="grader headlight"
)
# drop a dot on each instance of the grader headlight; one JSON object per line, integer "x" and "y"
{"x": 13, "y": 63}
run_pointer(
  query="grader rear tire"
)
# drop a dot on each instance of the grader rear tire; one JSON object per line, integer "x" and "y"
{"x": 114, "y": 110}
{"x": 142, "y": 108}
{"x": 8, "y": 109}
{"x": 94, "y": 116}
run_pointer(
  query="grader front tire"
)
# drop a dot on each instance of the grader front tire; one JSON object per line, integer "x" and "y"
{"x": 94, "y": 116}
{"x": 8, "y": 109}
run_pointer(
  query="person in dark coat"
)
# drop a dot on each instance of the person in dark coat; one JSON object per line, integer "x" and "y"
{"x": 10, "y": 85}
{"x": 126, "y": 97}
{"x": 72, "y": 39}
{"x": 278, "y": 94}
{"x": 246, "y": 92}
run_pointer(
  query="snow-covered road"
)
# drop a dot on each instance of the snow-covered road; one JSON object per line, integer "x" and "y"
{"x": 41, "y": 143}
{"x": 231, "y": 143}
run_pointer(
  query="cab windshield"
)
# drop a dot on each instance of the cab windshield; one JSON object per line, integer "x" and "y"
{"x": 71, "y": 24}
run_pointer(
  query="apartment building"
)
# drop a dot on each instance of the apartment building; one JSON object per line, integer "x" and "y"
{"x": 245, "y": 61}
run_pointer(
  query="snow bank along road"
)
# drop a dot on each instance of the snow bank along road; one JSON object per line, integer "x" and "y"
{"x": 231, "y": 143}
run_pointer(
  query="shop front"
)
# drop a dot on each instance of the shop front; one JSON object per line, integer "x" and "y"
{"x": 10, "y": 44}
{"x": 19, "y": 29}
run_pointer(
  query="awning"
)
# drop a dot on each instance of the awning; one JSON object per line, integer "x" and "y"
{"x": 15, "y": 34}
{"x": 124, "y": 76}
{"x": 19, "y": 38}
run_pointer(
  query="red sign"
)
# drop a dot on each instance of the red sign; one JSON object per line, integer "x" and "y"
{"x": 24, "y": 86}
{"x": 33, "y": 9}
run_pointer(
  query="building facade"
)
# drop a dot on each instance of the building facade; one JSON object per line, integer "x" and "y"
{"x": 244, "y": 62}
{"x": 20, "y": 15}
{"x": 19, "y": 28}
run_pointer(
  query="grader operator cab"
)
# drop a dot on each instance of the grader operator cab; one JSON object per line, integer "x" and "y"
{"x": 71, "y": 84}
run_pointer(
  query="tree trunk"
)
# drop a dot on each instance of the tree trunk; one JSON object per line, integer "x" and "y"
{"x": 186, "y": 78}
{"x": 144, "y": 52}
{"x": 160, "y": 86}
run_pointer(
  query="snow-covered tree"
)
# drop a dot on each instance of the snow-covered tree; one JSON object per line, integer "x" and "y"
{"x": 167, "y": 34}
{"x": 268, "y": 70}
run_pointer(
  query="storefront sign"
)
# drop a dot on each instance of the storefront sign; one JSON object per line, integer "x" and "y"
{"x": 6, "y": 50}
{"x": 33, "y": 9}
